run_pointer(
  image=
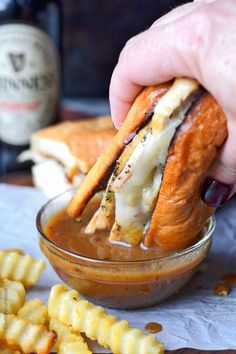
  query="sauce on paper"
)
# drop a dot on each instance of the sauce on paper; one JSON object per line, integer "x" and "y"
{"x": 153, "y": 327}
{"x": 229, "y": 278}
{"x": 222, "y": 289}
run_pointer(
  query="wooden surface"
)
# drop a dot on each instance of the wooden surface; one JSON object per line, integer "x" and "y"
{"x": 17, "y": 178}
{"x": 25, "y": 179}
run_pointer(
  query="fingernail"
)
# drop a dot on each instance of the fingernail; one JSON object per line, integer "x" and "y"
{"x": 215, "y": 193}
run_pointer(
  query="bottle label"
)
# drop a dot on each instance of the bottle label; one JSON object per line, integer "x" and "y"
{"x": 29, "y": 82}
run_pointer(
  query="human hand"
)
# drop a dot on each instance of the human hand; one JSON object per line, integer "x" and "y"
{"x": 195, "y": 40}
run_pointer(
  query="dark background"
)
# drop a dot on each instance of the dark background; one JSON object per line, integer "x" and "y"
{"x": 94, "y": 32}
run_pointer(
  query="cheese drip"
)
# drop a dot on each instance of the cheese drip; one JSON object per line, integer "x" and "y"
{"x": 137, "y": 186}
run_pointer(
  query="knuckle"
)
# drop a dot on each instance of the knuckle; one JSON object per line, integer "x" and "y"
{"x": 195, "y": 28}
{"x": 130, "y": 44}
{"x": 125, "y": 52}
{"x": 131, "y": 51}
{"x": 132, "y": 40}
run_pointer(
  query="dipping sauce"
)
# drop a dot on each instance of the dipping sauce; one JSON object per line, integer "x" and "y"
{"x": 112, "y": 275}
{"x": 69, "y": 234}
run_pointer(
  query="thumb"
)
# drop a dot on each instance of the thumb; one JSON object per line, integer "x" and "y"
{"x": 220, "y": 183}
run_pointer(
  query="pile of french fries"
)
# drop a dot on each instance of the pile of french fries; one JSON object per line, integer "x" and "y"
{"x": 34, "y": 327}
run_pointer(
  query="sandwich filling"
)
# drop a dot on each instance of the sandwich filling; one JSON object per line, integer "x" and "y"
{"x": 55, "y": 170}
{"x": 132, "y": 191}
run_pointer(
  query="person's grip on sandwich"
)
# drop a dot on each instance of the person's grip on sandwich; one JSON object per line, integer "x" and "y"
{"x": 195, "y": 40}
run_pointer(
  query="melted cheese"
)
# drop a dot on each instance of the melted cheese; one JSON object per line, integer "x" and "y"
{"x": 177, "y": 93}
{"x": 137, "y": 186}
{"x": 50, "y": 177}
{"x": 55, "y": 149}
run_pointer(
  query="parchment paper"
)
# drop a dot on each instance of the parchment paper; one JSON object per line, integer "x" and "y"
{"x": 194, "y": 318}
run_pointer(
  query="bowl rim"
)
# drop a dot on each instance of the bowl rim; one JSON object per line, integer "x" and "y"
{"x": 207, "y": 235}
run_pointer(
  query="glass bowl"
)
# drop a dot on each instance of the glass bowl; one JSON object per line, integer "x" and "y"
{"x": 122, "y": 284}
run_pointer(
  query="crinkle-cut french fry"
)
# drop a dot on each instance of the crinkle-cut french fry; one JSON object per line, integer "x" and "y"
{"x": 12, "y": 296}
{"x": 35, "y": 311}
{"x": 68, "y": 342}
{"x": 14, "y": 249}
{"x": 20, "y": 267}
{"x": 67, "y": 306}
{"x": 27, "y": 337}
{"x": 5, "y": 350}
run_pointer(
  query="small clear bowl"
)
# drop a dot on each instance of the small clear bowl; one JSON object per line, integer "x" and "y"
{"x": 122, "y": 284}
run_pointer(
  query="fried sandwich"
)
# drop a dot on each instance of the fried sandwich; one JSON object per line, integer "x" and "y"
{"x": 153, "y": 169}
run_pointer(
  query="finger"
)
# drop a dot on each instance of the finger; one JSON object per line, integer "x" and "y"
{"x": 176, "y": 14}
{"x": 122, "y": 90}
{"x": 180, "y": 48}
{"x": 122, "y": 94}
{"x": 220, "y": 183}
{"x": 224, "y": 167}
{"x": 205, "y": 1}
{"x": 151, "y": 58}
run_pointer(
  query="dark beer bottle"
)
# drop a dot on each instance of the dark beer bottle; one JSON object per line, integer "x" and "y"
{"x": 30, "y": 40}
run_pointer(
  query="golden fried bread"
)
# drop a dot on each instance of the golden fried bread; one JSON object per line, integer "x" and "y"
{"x": 180, "y": 213}
{"x": 154, "y": 168}
{"x": 140, "y": 111}
{"x": 75, "y": 144}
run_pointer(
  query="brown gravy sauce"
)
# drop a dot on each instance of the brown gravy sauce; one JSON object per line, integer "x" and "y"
{"x": 68, "y": 233}
{"x": 115, "y": 285}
